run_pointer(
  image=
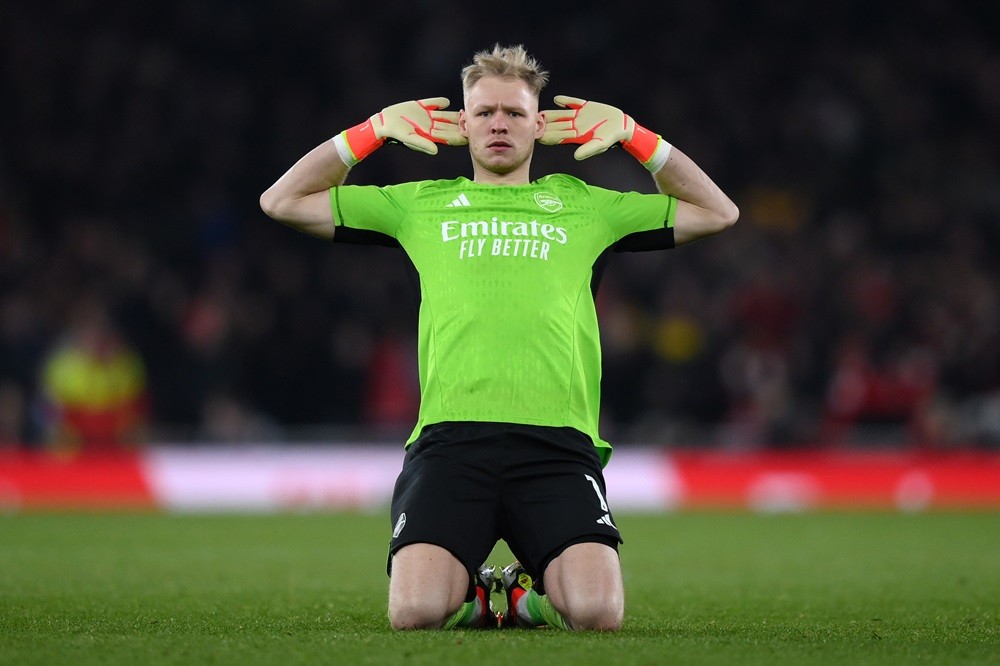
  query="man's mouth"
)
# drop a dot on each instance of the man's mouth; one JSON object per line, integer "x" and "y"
{"x": 500, "y": 144}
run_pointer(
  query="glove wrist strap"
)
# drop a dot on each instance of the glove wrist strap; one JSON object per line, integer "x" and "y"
{"x": 647, "y": 147}
{"x": 357, "y": 143}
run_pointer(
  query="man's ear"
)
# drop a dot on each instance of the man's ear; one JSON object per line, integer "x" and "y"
{"x": 540, "y": 126}
{"x": 463, "y": 128}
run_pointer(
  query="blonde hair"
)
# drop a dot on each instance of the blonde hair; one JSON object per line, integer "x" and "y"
{"x": 509, "y": 62}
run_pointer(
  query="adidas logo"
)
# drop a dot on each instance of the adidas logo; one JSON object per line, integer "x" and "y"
{"x": 461, "y": 201}
{"x": 606, "y": 520}
{"x": 400, "y": 524}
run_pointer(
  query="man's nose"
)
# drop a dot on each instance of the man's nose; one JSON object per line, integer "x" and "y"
{"x": 499, "y": 123}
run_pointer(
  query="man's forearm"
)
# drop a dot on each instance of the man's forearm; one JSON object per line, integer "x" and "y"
{"x": 703, "y": 208}
{"x": 299, "y": 198}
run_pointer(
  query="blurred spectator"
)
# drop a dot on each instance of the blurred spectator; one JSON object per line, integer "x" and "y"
{"x": 227, "y": 419}
{"x": 13, "y": 414}
{"x": 392, "y": 393}
{"x": 93, "y": 387}
{"x": 880, "y": 401}
{"x": 858, "y": 300}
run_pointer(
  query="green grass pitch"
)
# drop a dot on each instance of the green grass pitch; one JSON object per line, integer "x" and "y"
{"x": 702, "y": 588}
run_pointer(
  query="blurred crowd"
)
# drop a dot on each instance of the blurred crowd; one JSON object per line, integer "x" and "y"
{"x": 144, "y": 296}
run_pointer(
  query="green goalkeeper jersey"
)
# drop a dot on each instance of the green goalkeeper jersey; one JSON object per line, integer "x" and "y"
{"x": 507, "y": 327}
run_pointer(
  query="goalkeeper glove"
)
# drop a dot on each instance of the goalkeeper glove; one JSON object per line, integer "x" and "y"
{"x": 415, "y": 124}
{"x": 599, "y": 127}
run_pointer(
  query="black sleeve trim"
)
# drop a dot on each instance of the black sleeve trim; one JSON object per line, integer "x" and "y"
{"x": 350, "y": 236}
{"x": 646, "y": 241}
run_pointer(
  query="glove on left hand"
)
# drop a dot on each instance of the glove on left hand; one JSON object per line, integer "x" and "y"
{"x": 600, "y": 126}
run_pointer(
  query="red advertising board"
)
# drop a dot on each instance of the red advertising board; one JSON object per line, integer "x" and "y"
{"x": 361, "y": 477}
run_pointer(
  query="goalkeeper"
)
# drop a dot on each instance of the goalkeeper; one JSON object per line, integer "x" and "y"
{"x": 506, "y": 444}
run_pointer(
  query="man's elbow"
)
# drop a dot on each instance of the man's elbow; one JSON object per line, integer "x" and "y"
{"x": 728, "y": 216}
{"x": 721, "y": 219}
{"x": 707, "y": 222}
{"x": 272, "y": 205}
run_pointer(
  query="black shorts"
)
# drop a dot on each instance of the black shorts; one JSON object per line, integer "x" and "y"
{"x": 464, "y": 486}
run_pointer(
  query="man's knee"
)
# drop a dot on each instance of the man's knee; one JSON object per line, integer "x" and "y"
{"x": 585, "y": 585}
{"x": 414, "y": 613}
{"x": 428, "y": 585}
{"x": 595, "y": 614}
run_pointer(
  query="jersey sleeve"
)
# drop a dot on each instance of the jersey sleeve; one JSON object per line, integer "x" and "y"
{"x": 632, "y": 213}
{"x": 369, "y": 208}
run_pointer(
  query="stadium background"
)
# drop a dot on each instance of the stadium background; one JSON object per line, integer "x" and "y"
{"x": 854, "y": 307}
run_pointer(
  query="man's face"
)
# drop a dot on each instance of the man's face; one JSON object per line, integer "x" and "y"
{"x": 502, "y": 123}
